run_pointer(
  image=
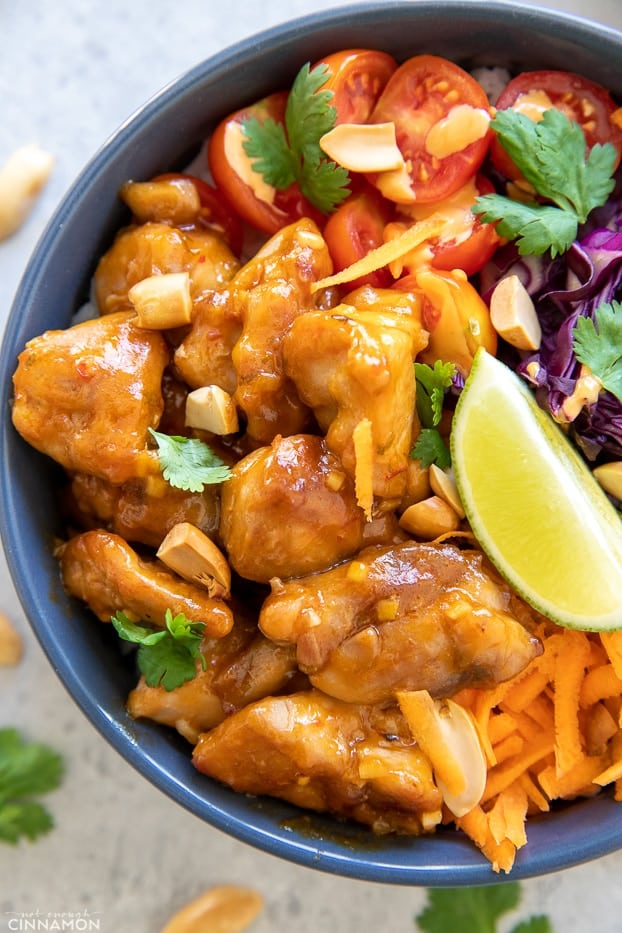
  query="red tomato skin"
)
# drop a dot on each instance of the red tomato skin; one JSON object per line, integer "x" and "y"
{"x": 355, "y": 228}
{"x": 216, "y": 212}
{"x": 588, "y": 103}
{"x": 357, "y": 77}
{"x": 288, "y": 205}
{"x": 471, "y": 254}
{"x": 420, "y": 93}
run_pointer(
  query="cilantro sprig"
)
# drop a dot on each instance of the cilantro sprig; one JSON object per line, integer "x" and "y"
{"x": 432, "y": 384}
{"x": 476, "y": 910}
{"x": 188, "y": 463}
{"x": 597, "y": 342}
{"x": 27, "y": 770}
{"x": 284, "y": 153}
{"x": 551, "y": 155}
{"x": 166, "y": 657}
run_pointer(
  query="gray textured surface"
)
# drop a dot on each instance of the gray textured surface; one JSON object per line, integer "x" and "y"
{"x": 70, "y": 73}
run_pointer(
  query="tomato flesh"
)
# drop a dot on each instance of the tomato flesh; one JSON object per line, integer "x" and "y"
{"x": 265, "y": 209}
{"x": 355, "y": 228}
{"x": 357, "y": 77}
{"x": 422, "y": 93}
{"x": 583, "y": 101}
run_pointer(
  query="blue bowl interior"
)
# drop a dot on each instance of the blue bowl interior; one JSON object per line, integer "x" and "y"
{"x": 165, "y": 134}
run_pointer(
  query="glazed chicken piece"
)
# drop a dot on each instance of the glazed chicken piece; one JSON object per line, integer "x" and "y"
{"x": 273, "y": 289}
{"x": 142, "y": 510}
{"x": 289, "y": 509}
{"x": 360, "y": 367}
{"x": 204, "y": 355}
{"x": 86, "y": 396}
{"x": 316, "y": 752}
{"x": 102, "y": 570}
{"x": 157, "y": 248}
{"x": 241, "y": 667}
{"x": 409, "y": 617}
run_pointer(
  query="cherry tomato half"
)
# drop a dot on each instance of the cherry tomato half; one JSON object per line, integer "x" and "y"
{"x": 455, "y": 315}
{"x": 441, "y": 117}
{"x": 471, "y": 248}
{"x": 257, "y": 203}
{"x": 215, "y": 211}
{"x": 589, "y": 104}
{"x": 357, "y": 78}
{"x": 355, "y": 228}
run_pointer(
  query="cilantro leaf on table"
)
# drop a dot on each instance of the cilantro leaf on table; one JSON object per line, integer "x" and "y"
{"x": 598, "y": 344}
{"x": 291, "y": 152}
{"x": 166, "y": 657}
{"x": 551, "y": 156}
{"x": 432, "y": 383}
{"x": 475, "y": 910}
{"x": 188, "y": 463}
{"x": 26, "y": 770}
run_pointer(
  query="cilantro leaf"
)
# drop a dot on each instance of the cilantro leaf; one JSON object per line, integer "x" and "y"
{"x": 537, "y": 924}
{"x": 188, "y": 463}
{"x": 284, "y": 154}
{"x": 266, "y": 145}
{"x": 431, "y": 448}
{"x": 470, "y": 910}
{"x": 535, "y": 227}
{"x": 551, "y": 156}
{"x": 26, "y": 770}
{"x": 597, "y": 343}
{"x": 432, "y": 383}
{"x": 165, "y": 657}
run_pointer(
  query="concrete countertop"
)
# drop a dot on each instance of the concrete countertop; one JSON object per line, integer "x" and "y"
{"x": 70, "y": 73}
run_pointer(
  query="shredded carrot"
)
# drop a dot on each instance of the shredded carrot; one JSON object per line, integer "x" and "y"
{"x": 386, "y": 253}
{"x": 552, "y": 732}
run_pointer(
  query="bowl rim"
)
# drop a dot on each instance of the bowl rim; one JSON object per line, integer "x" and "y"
{"x": 405, "y": 860}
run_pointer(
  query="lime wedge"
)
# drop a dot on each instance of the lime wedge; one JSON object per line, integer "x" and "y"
{"x": 533, "y": 504}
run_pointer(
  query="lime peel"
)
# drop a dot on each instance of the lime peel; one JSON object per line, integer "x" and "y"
{"x": 533, "y": 504}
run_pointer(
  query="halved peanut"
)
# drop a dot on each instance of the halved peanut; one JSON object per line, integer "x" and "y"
{"x": 447, "y": 735}
{"x": 210, "y": 408}
{"x": 429, "y": 518}
{"x": 11, "y": 645}
{"x": 22, "y": 177}
{"x": 609, "y": 475}
{"x": 363, "y": 147}
{"x": 222, "y": 909}
{"x": 195, "y": 557}
{"x": 162, "y": 301}
{"x": 443, "y": 484}
{"x": 513, "y": 314}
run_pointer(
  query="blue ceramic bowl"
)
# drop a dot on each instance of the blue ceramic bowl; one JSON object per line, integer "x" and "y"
{"x": 163, "y": 135}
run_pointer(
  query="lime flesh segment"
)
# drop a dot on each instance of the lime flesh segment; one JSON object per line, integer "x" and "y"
{"x": 533, "y": 504}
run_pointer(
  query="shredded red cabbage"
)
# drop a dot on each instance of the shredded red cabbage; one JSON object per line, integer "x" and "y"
{"x": 563, "y": 289}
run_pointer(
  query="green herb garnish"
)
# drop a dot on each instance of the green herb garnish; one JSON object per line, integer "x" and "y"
{"x": 598, "y": 344}
{"x": 432, "y": 384}
{"x": 551, "y": 156}
{"x": 284, "y": 153}
{"x": 188, "y": 463}
{"x": 476, "y": 910}
{"x": 166, "y": 657}
{"x": 26, "y": 771}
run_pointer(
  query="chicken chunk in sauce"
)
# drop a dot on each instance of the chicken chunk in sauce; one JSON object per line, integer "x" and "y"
{"x": 410, "y": 617}
{"x": 155, "y": 249}
{"x": 289, "y": 509}
{"x": 312, "y": 750}
{"x": 360, "y": 367}
{"x": 86, "y": 396}
{"x": 102, "y": 570}
{"x": 240, "y": 668}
